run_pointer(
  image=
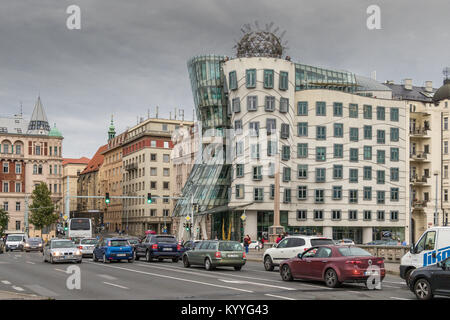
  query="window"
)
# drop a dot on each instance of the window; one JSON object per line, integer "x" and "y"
{"x": 321, "y": 132}
{"x": 381, "y": 113}
{"x": 337, "y": 109}
{"x": 152, "y": 184}
{"x": 338, "y": 150}
{"x": 19, "y": 149}
{"x": 338, "y": 130}
{"x": 271, "y": 125}
{"x": 271, "y": 170}
{"x": 381, "y": 155}
{"x": 286, "y": 153}
{"x": 257, "y": 172}
{"x": 239, "y": 191}
{"x": 252, "y": 103}
{"x": 367, "y": 215}
{"x": 302, "y": 171}
{"x": 258, "y": 194}
{"x": 302, "y": 192}
{"x": 380, "y": 136}
{"x": 236, "y": 105}
{"x": 321, "y": 153}
{"x": 337, "y": 192}
{"x": 153, "y": 171}
{"x": 352, "y": 215}
{"x": 284, "y": 80}
{"x": 353, "y": 110}
{"x": 284, "y": 105}
{"x": 286, "y": 174}
{"x": 446, "y": 195}
{"x": 368, "y": 132}
{"x": 353, "y": 154}
{"x": 380, "y": 197}
{"x": 287, "y": 195}
{"x": 367, "y": 153}
{"x": 40, "y": 169}
{"x": 354, "y": 133}
{"x": 254, "y": 129}
{"x": 18, "y": 225}
{"x": 446, "y": 123}
{"x": 337, "y": 171}
{"x": 394, "y": 114}
{"x": 17, "y": 206}
{"x": 380, "y": 176}
{"x": 380, "y": 215}
{"x": 320, "y": 174}
{"x": 301, "y": 214}
{"x": 394, "y": 134}
{"x": 255, "y": 151}
{"x": 367, "y": 110}
{"x": 165, "y": 185}
{"x": 394, "y": 154}
{"x": 445, "y": 147}
{"x": 302, "y": 129}
{"x": 153, "y": 157}
{"x": 271, "y": 148}
{"x": 302, "y": 108}
{"x": 268, "y": 79}
{"x": 318, "y": 214}
{"x": 367, "y": 193}
{"x": 336, "y": 215}
{"x": 239, "y": 148}
{"x": 321, "y": 108}
{"x": 272, "y": 191}
{"x": 302, "y": 150}
{"x": 5, "y": 167}
{"x": 166, "y": 144}
{"x": 232, "y": 80}
{"x": 319, "y": 195}
{"x": 239, "y": 170}
{"x": 284, "y": 131}
{"x": 394, "y": 194}
{"x": 166, "y": 172}
{"x": 353, "y": 176}
{"x": 353, "y": 196}
{"x": 250, "y": 78}
{"x": 394, "y": 215}
{"x": 367, "y": 173}
{"x": 18, "y": 187}
{"x": 269, "y": 103}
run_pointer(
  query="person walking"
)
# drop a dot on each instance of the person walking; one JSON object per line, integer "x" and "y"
{"x": 246, "y": 243}
{"x": 279, "y": 238}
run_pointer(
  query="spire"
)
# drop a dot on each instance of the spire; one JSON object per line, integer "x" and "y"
{"x": 38, "y": 122}
{"x": 112, "y": 129}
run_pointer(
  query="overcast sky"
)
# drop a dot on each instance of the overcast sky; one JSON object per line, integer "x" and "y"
{"x": 130, "y": 56}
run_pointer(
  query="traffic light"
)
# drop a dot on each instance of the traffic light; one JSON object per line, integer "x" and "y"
{"x": 149, "y": 198}
{"x": 107, "y": 200}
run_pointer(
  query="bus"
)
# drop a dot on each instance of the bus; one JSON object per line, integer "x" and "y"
{"x": 79, "y": 228}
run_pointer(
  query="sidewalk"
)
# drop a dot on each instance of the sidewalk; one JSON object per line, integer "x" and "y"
{"x": 8, "y": 295}
{"x": 257, "y": 256}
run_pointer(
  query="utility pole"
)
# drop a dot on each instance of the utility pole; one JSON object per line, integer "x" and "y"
{"x": 276, "y": 228}
{"x": 26, "y": 216}
{"x": 436, "y": 213}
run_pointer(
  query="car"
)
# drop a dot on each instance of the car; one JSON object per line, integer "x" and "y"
{"x": 159, "y": 247}
{"x": 254, "y": 244}
{"x": 334, "y": 265}
{"x": 15, "y": 241}
{"x": 216, "y": 253}
{"x": 113, "y": 249}
{"x": 87, "y": 245}
{"x": 61, "y": 250}
{"x": 34, "y": 244}
{"x": 190, "y": 244}
{"x": 290, "y": 247}
{"x": 430, "y": 281}
{"x": 346, "y": 242}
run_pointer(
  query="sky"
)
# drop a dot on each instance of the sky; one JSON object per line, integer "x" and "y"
{"x": 130, "y": 56}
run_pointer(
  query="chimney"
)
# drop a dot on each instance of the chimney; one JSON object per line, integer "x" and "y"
{"x": 428, "y": 86}
{"x": 407, "y": 84}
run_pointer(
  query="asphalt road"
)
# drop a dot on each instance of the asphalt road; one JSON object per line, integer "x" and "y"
{"x": 27, "y": 273}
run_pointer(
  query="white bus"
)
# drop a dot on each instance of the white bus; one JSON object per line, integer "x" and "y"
{"x": 79, "y": 228}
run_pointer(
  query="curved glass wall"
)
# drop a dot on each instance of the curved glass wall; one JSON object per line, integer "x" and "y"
{"x": 309, "y": 77}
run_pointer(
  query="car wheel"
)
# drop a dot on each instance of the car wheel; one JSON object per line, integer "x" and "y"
{"x": 51, "y": 259}
{"x": 130, "y": 260}
{"x": 175, "y": 259}
{"x": 208, "y": 265}
{"x": 45, "y": 260}
{"x": 104, "y": 259}
{"x": 286, "y": 274}
{"x": 159, "y": 259}
{"x": 331, "y": 278}
{"x": 186, "y": 263}
{"x": 148, "y": 257}
{"x": 136, "y": 257}
{"x": 408, "y": 276}
{"x": 94, "y": 258}
{"x": 422, "y": 290}
{"x": 268, "y": 265}
{"x": 237, "y": 268}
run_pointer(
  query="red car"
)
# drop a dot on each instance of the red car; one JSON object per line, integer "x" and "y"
{"x": 333, "y": 265}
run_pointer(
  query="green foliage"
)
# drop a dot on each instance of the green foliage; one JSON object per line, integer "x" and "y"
{"x": 42, "y": 208}
{"x": 4, "y": 219}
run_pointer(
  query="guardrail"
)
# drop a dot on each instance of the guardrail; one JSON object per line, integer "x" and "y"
{"x": 389, "y": 253}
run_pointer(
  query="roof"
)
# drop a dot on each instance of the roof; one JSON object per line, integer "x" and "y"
{"x": 14, "y": 125}
{"x": 38, "y": 122}
{"x": 82, "y": 160}
{"x": 443, "y": 92}
{"x": 416, "y": 93}
{"x": 369, "y": 84}
{"x": 96, "y": 161}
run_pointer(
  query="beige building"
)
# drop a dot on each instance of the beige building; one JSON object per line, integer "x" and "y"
{"x": 71, "y": 171}
{"x": 30, "y": 153}
{"x": 148, "y": 169}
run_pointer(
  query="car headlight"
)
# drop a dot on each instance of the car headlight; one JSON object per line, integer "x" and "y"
{"x": 40, "y": 244}
{"x": 78, "y": 252}
{"x": 27, "y": 245}
{"x": 56, "y": 253}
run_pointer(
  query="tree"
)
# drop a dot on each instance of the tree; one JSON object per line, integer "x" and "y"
{"x": 42, "y": 208}
{"x": 4, "y": 219}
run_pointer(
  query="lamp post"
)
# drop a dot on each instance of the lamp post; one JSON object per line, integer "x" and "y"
{"x": 436, "y": 213}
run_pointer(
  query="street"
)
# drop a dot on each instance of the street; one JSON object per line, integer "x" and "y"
{"x": 26, "y": 273}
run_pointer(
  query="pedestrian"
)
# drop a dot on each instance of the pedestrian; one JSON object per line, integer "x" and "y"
{"x": 279, "y": 238}
{"x": 246, "y": 243}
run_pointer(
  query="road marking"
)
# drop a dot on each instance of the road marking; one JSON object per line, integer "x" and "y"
{"x": 173, "y": 278}
{"x": 275, "y": 296}
{"x": 395, "y": 282}
{"x": 60, "y": 270}
{"x": 18, "y": 288}
{"x": 255, "y": 284}
{"x": 107, "y": 277}
{"x": 115, "y": 285}
{"x": 6, "y": 282}
{"x": 399, "y": 298}
{"x": 41, "y": 290}
{"x": 30, "y": 262}
{"x": 388, "y": 286}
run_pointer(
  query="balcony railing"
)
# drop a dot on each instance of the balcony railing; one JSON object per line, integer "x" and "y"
{"x": 418, "y": 204}
{"x": 419, "y": 155}
{"x": 418, "y": 131}
{"x": 421, "y": 180}
{"x": 131, "y": 166}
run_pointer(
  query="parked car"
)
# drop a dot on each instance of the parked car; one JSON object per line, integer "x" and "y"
{"x": 133, "y": 241}
{"x": 159, "y": 247}
{"x": 87, "y": 245}
{"x": 431, "y": 280}
{"x": 254, "y": 244}
{"x": 346, "y": 242}
{"x": 34, "y": 244}
{"x": 190, "y": 244}
{"x": 113, "y": 249}
{"x": 333, "y": 265}
{"x": 290, "y": 247}
{"x": 15, "y": 241}
{"x": 61, "y": 250}
{"x": 216, "y": 253}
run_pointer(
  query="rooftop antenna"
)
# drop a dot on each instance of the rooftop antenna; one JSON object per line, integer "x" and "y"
{"x": 446, "y": 72}
{"x": 148, "y": 113}
{"x": 181, "y": 114}
{"x": 175, "y": 113}
{"x": 157, "y": 112}
{"x": 170, "y": 115}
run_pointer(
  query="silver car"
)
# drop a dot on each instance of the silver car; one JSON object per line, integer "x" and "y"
{"x": 61, "y": 250}
{"x": 87, "y": 245}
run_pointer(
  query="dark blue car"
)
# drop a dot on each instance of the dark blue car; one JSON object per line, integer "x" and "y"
{"x": 113, "y": 249}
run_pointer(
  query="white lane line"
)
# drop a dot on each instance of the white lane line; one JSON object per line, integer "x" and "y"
{"x": 30, "y": 262}
{"x": 256, "y": 284}
{"x": 18, "y": 288}
{"x": 6, "y": 282}
{"x": 60, "y": 270}
{"x": 107, "y": 277}
{"x": 115, "y": 285}
{"x": 396, "y": 298}
{"x": 173, "y": 278}
{"x": 275, "y": 296}
{"x": 395, "y": 282}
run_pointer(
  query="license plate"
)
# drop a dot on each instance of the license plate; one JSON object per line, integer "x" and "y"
{"x": 368, "y": 273}
{"x": 121, "y": 255}
{"x": 233, "y": 256}
{"x": 167, "y": 249}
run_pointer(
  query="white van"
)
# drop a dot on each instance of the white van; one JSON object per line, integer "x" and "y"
{"x": 432, "y": 247}
{"x": 15, "y": 241}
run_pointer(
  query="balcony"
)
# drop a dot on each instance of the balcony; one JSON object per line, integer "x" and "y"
{"x": 131, "y": 166}
{"x": 418, "y": 156}
{"x": 419, "y": 204}
{"x": 419, "y": 132}
{"x": 419, "y": 181}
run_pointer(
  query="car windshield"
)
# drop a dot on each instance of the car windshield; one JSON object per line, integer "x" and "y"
{"x": 15, "y": 238}
{"x": 230, "y": 246}
{"x": 80, "y": 224}
{"x": 88, "y": 241}
{"x": 320, "y": 242}
{"x": 166, "y": 239}
{"x": 354, "y": 251}
{"x": 34, "y": 240}
{"x": 62, "y": 244}
{"x": 118, "y": 243}
{"x": 133, "y": 241}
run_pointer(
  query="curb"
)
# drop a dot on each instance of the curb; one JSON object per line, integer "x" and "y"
{"x": 8, "y": 295}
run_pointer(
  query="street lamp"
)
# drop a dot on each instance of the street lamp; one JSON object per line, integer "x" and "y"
{"x": 436, "y": 213}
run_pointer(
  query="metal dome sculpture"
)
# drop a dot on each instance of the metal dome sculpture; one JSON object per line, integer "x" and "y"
{"x": 260, "y": 43}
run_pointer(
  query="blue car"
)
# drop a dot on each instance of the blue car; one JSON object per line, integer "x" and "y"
{"x": 113, "y": 249}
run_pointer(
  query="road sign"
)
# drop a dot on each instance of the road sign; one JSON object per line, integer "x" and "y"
{"x": 188, "y": 218}
{"x": 243, "y": 217}
{"x": 65, "y": 217}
